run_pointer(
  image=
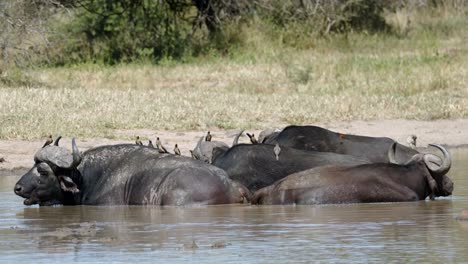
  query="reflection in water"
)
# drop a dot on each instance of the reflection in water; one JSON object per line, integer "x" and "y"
{"x": 400, "y": 232}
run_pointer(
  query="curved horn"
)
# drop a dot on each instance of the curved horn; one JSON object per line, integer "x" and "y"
{"x": 56, "y": 142}
{"x": 77, "y": 156}
{"x": 432, "y": 161}
{"x": 199, "y": 143}
{"x": 236, "y": 139}
{"x": 391, "y": 154}
{"x": 446, "y": 161}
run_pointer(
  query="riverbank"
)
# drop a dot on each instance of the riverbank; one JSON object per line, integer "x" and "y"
{"x": 18, "y": 154}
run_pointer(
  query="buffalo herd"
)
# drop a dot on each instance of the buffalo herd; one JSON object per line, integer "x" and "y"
{"x": 295, "y": 165}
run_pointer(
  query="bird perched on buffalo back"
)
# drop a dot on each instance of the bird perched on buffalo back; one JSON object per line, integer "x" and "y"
{"x": 176, "y": 150}
{"x": 48, "y": 141}
{"x": 150, "y": 143}
{"x": 138, "y": 141}
{"x": 252, "y": 138}
{"x": 411, "y": 140}
{"x": 160, "y": 147}
{"x": 277, "y": 151}
{"x": 208, "y": 136}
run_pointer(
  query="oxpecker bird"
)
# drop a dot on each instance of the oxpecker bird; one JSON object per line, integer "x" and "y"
{"x": 277, "y": 151}
{"x": 48, "y": 141}
{"x": 150, "y": 143}
{"x": 160, "y": 147}
{"x": 176, "y": 150}
{"x": 252, "y": 138}
{"x": 411, "y": 140}
{"x": 208, "y": 136}
{"x": 138, "y": 141}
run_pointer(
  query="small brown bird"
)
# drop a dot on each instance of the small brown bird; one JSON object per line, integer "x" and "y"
{"x": 176, "y": 150}
{"x": 277, "y": 151}
{"x": 193, "y": 155}
{"x": 138, "y": 141}
{"x": 150, "y": 143}
{"x": 2, "y": 159}
{"x": 252, "y": 138}
{"x": 48, "y": 141}
{"x": 208, "y": 136}
{"x": 160, "y": 147}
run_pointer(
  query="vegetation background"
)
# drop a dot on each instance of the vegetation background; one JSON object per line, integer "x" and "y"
{"x": 89, "y": 68}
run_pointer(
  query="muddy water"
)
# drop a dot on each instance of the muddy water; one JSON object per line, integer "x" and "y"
{"x": 395, "y": 232}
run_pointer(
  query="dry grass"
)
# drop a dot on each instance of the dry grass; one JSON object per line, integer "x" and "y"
{"x": 424, "y": 77}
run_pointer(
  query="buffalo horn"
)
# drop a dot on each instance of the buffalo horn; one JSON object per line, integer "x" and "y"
{"x": 57, "y": 140}
{"x": 430, "y": 159}
{"x": 77, "y": 156}
{"x": 392, "y": 159}
{"x": 236, "y": 139}
{"x": 391, "y": 153}
{"x": 198, "y": 146}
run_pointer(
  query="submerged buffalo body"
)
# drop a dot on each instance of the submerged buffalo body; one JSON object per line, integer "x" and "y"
{"x": 256, "y": 166}
{"x": 124, "y": 175}
{"x": 378, "y": 182}
{"x": 321, "y": 139}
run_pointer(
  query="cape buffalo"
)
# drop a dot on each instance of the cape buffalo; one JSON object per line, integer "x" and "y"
{"x": 321, "y": 139}
{"x": 415, "y": 180}
{"x": 256, "y": 166}
{"x": 207, "y": 151}
{"x": 124, "y": 175}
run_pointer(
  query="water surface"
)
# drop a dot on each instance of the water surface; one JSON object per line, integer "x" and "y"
{"x": 392, "y": 232}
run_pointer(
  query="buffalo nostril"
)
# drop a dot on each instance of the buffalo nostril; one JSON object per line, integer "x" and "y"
{"x": 18, "y": 188}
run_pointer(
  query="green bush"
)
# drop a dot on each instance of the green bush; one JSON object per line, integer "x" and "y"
{"x": 122, "y": 31}
{"x": 325, "y": 17}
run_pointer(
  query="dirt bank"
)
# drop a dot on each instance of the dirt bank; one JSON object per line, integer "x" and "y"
{"x": 18, "y": 154}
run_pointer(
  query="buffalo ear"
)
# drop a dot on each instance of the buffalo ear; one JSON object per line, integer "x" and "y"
{"x": 67, "y": 184}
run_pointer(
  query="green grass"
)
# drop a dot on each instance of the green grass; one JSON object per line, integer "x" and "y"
{"x": 422, "y": 75}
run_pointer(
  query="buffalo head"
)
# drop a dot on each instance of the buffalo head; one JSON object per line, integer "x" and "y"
{"x": 439, "y": 183}
{"x": 46, "y": 182}
{"x": 208, "y": 151}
